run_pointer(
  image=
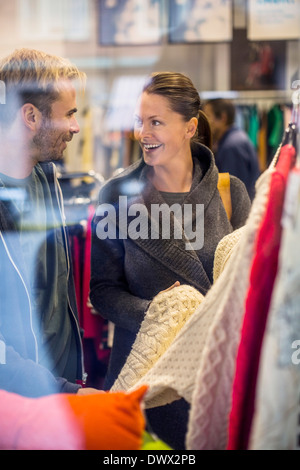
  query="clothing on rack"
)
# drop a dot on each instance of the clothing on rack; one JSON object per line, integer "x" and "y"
{"x": 80, "y": 208}
{"x": 94, "y": 326}
{"x": 199, "y": 363}
{"x": 262, "y": 276}
{"x": 264, "y": 126}
{"x": 275, "y": 424}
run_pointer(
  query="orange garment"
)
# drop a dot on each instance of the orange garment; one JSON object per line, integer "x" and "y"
{"x": 262, "y": 143}
{"x": 101, "y": 421}
{"x": 111, "y": 420}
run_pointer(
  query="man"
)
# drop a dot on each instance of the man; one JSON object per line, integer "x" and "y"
{"x": 39, "y": 330}
{"x": 234, "y": 152}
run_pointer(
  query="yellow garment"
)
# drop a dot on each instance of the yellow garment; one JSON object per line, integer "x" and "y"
{"x": 224, "y": 190}
{"x": 150, "y": 443}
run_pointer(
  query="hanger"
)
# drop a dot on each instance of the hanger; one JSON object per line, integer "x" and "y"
{"x": 81, "y": 175}
{"x": 296, "y": 102}
{"x": 291, "y": 134}
{"x": 296, "y": 117}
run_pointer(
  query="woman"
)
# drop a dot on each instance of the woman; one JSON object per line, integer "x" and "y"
{"x": 144, "y": 251}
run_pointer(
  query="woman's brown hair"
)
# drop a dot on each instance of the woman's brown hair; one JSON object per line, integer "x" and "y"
{"x": 184, "y": 99}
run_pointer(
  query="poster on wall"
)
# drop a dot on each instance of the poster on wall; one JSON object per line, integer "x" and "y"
{"x": 130, "y": 22}
{"x": 273, "y": 19}
{"x": 200, "y": 21}
{"x": 257, "y": 65}
{"x": 54, "y": 20}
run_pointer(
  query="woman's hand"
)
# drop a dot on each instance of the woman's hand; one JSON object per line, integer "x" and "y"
{"x": 176, "y": 284}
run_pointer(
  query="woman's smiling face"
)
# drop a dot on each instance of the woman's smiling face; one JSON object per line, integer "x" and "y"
{"x": 162, "y": 133}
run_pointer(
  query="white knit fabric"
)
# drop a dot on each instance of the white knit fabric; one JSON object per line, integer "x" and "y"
{"x": 224, "y": 251}
{"x": 165, "y": 317}
{"x": 199, "y": 364}
{"x": 212, "y": 393}
{"x": 275, "y": 423}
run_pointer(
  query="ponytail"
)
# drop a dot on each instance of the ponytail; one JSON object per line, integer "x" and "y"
{"x": 204, "y": 130}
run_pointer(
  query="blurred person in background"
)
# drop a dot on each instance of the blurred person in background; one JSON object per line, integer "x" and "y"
{"x": 233, "y": 150}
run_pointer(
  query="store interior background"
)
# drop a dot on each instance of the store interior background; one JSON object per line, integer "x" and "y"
{"x": 115, "y": 73}
{"x": 72, "y": 28}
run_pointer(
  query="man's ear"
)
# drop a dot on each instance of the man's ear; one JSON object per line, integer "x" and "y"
{"x": 31, "y": 116}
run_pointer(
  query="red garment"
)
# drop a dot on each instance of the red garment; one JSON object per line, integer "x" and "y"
{"x": 262, "y": 277}
{"x": 88, "y": 319}
{"x": 75, "y": 247}
{"x": 94, "y": 325}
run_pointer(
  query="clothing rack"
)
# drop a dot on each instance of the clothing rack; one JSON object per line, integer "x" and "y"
{"x": 262, "y": 100}
{"x": 80, "y": 194}
{"x": 79, "y": 204}
{"x": 251, "y": 97}
{"x": 80, "y": 174}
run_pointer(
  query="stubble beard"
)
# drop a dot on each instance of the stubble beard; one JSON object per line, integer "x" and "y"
{"x": 43, "y": 148}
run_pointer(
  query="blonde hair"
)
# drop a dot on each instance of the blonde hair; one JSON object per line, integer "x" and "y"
{"x": 34, "y": 76}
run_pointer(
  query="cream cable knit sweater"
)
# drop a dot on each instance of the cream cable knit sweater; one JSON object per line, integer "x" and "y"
{"x": 166, "y": 315}
{"x": 212, "y": 391}
{"x": 199, "y": 363}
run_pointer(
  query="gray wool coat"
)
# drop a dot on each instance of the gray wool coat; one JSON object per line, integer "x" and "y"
{"x": 126, "y": 274}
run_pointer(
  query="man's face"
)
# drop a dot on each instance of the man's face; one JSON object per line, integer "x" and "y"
{"x": 55, "y": 131}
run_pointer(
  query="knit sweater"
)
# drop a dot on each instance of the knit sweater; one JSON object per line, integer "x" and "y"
{"x": 167, "y": 314}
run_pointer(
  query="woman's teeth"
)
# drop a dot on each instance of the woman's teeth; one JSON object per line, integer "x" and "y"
{"x": 151, "y": 146}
